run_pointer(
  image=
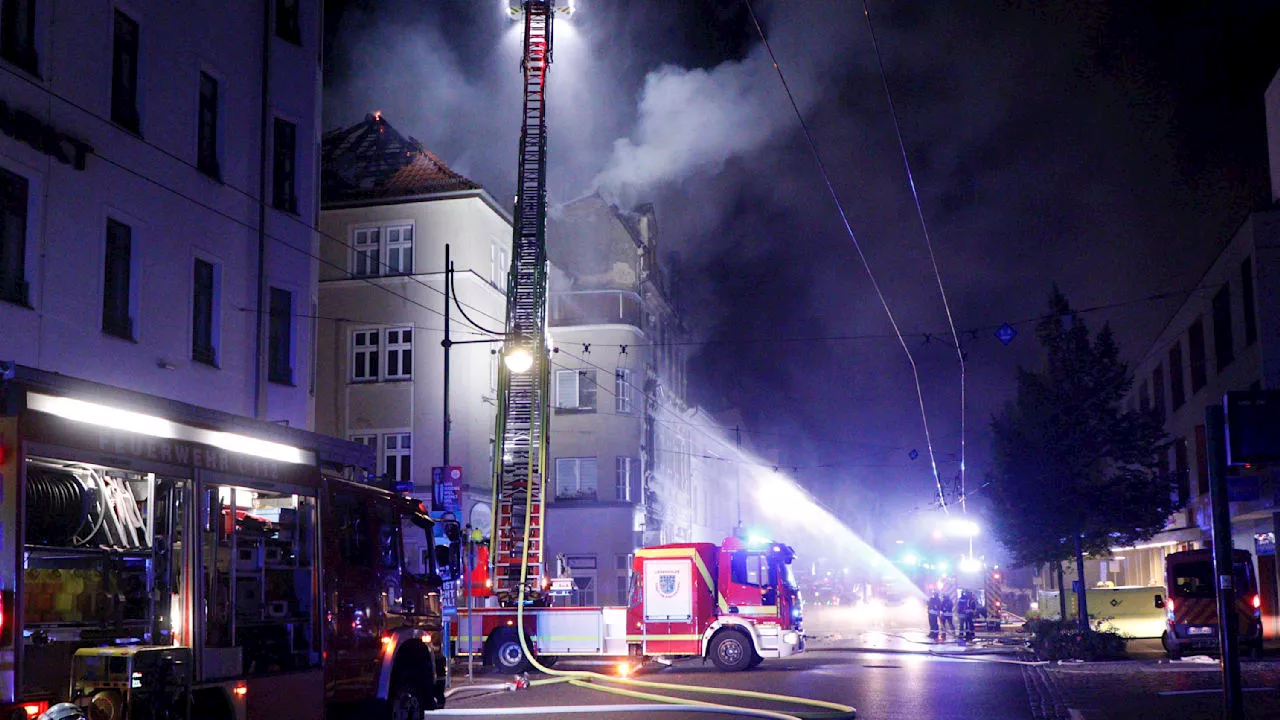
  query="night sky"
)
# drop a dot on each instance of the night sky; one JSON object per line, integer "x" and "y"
{"x": 1109, "y": 147}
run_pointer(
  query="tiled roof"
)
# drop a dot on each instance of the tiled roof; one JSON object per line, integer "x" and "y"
{"x": 371, "y": 160}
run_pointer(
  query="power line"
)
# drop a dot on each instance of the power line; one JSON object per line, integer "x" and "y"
{"x": 924, "y": 227}
{"x": 245, "y": 193}
{"x": 884, "y": 303}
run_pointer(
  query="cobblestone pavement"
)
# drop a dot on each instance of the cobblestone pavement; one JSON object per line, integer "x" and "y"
{"x": 1137, "y": 690}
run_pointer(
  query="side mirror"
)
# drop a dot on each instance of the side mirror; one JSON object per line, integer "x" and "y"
{"x": 1159, "y": 602}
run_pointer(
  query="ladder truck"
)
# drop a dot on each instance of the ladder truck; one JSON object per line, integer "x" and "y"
{"x": 729, "y": 603}
{"x": 524, "y": 376}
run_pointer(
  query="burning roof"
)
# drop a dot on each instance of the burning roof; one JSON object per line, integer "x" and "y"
{"x": 371, "y": 160}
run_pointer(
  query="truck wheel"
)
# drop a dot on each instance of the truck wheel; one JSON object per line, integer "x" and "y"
{"x": 1171, "y": 646}
{"x": 506, "y": 654}
{"x": 755, "y": 660}
{"x": 731, "y": 651}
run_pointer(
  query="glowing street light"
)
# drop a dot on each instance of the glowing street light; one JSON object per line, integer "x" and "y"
{"x": 518, "y": 360}
{"x": 970, "y": 564}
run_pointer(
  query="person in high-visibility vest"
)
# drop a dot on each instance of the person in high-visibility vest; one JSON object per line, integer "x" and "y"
{"x": 935, "y": 609}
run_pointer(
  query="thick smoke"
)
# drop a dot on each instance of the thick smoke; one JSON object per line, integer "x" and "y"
{"x": 695, "y": 120}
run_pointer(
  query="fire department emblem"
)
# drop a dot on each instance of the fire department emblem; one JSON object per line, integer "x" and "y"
{"x": 668, "y": 584}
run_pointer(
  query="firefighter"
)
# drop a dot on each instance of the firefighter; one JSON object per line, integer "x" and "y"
{"x": 967, "y": 607}
{"x": 935, "y": 609}
{"x": 947, "y": 608}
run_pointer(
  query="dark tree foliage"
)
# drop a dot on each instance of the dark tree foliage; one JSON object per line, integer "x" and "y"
{"x": 1068, "y": 459}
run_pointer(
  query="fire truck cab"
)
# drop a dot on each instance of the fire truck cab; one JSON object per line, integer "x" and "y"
{"x": 733, "y": 604}
{"x": 1191, "y": 609}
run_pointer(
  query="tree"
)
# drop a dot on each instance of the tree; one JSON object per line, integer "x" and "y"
{"x": 1073, "y": 472}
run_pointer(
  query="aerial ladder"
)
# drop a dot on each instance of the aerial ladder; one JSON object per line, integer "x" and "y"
{"x": 519, "y": 462}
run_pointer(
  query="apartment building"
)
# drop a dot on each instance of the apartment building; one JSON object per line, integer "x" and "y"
{"x": 390, "y": 207}
{"x": 158, "y": 174}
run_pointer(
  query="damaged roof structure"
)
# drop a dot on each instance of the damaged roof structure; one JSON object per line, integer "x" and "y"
{"x": 371, "y": 160}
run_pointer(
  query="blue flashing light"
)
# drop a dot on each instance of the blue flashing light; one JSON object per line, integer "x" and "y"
{"x": 757, "y": 541}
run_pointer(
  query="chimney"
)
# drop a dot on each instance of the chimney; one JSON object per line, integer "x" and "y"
{"x": 1273, "y": 135}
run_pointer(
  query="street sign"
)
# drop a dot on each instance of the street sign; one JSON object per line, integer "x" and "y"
{"x": 1005, "y": 333}
{"x": 446, "y": 489}
{"x": 561, "y": 585}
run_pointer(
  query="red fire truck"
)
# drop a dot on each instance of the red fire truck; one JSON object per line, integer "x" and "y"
{"x": 732, "y": 604}
{"x": 159, "y": 560}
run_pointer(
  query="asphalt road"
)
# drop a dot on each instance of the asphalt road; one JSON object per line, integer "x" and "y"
{"x": 878, "y": 685}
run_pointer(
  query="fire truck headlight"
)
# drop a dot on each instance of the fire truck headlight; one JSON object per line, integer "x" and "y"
{"x": 791, "y": 638}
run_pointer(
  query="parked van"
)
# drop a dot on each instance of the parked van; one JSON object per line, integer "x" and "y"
{"x": 1128, "y": 610}
{"x": 1191, "y": 609}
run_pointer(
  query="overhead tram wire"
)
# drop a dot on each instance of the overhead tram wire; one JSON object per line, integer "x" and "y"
{"x": 844, "y": 218}
{"x": 49, "y": 92}
{"x": 924, "y": 228}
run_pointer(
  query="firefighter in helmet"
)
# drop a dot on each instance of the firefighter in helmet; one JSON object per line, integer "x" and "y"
{"x": 935, "y": 609}
{"x": 948, "y": 608}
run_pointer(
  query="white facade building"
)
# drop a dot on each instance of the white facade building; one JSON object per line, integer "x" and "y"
{"x": 137, "y": 139}
{"x": 390, "y": 207}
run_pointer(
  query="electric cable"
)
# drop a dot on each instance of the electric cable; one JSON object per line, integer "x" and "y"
{"x": 453, "y": 287}
{"x": 924, "y": 227}
{"x": 866, "y": 264}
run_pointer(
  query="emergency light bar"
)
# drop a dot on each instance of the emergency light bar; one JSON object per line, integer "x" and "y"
{"x": 568, "y": 7}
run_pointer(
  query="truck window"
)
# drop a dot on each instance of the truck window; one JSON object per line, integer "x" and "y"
{"x": 386, "y": 532}
{"x": 353, "y": 538}
{"x": 749, "y": 569}
{"x": 258, "y": 567}
{"x": 1195, "y": 579}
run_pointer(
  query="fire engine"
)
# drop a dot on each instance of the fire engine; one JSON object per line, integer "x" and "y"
{"x": 733, "y": 604}
{"x": 159, "y": 559}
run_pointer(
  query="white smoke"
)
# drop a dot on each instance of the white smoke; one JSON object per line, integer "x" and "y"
{"x": 696, "y": 120}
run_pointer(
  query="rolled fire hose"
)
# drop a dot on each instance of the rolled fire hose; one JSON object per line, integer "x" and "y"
{"x": 588, "y": 679}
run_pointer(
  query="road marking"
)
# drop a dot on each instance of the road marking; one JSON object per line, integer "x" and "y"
{"x": 1208, "y": 691}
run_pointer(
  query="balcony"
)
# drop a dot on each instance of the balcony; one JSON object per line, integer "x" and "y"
{"x": 595, "y": 307}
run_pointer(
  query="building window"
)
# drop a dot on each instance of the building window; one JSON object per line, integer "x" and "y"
{"x": 400, "y": 250}
{"x": 627, "y": 471}
{"x": 1202, "y": 461}
{"x": 1223, "y": 347}
{"x": 1176, "y": 387}
{"x": 367, "y": 258}
{"x": 288, "y": 24}
{"x": 116, "y": 292}
{"x": 624, "y": 392}
{"x": 399, "y": 354}
{"x": 397, "y": 457}
{"x": 124, "y": 73}
{"x": 1195, "y": 339}
{"x": 499, "y": 266}
{"x": 366, "y": 440}
{"x": 204, "y": 312}
{"x": 1181, "y": 472}
{"x": 576, "y": 390}
{"x": 207, "y": 131}
{"x": 1157, "y": 391}
{"x": 575, "y": 478}
{"x": 371, "y": 244}
{"x": 364, "y": 355}
{"x": 1246, "y": 299}
{"x": 1144, "y": 397}
{"x": 14, "y": 191}
{"x": 18, "y": 34}
{"x": 280, "y": 337}
{"x": 284, "y": 192}
{"x": 368, "y": 346}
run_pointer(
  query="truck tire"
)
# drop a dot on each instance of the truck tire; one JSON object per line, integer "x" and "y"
{"x": 1171, "y": 646}
{"x": 731, "y": 651}
{"x": 755, "y": 660}
{"x": 413, "y": 688}
{"x": 506, "y": 655}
